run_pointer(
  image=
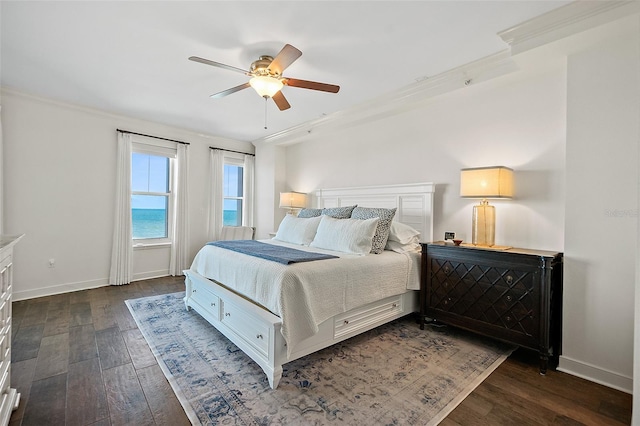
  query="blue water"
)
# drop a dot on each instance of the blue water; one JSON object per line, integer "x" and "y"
{"x": 152, "y": 223}
{"x": 230, "y": 218}
{"x": 149, "y": 223}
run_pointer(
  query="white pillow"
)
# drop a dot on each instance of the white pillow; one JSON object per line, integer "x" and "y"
{"x": 345, "y": 235}
{"x": 297, "y": 230}
{"x": 403, "y": 234}
{"x": 402, "y": 248}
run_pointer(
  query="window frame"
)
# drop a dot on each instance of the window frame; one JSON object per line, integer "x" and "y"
{"x": 160, "y": 149}
{"x": 234, "y": 160}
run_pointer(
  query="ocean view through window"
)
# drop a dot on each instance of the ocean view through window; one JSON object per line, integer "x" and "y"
{"x": 150, "y": 192}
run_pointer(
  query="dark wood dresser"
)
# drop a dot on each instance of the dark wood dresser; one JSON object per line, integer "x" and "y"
{"x": 513, "y": 295}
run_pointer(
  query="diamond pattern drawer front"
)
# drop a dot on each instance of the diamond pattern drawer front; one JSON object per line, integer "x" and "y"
{"x": 501, "y": 297}
{"x": 513, "y": 295}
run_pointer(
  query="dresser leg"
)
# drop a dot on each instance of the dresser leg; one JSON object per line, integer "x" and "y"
{"x": 544, "y": 363}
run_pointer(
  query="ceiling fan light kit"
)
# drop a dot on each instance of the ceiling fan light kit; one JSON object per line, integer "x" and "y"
{"x": 267, "y": 79}
{"x": 266, "y": 86}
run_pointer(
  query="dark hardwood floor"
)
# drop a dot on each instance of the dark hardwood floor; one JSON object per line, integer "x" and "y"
{"x": 79, "y": 359}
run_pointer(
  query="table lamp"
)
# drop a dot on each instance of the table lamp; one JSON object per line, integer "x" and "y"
{"x": 484, "y": 183}
{"x": 293, "y": 201}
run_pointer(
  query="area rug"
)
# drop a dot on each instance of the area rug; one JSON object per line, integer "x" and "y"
{"x": 394, "y": 374}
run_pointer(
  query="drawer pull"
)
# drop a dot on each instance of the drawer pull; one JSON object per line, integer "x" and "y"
{"x": 213, "y": 303}
{"x": 447, "y": 270}
{"x": 258, "y": 336}
{"x": 509, "y": 298}
{"x": 193, "y": 291}
{"x": 394, "y": 305}
{"x": 346, "y": 322}
{"x": 227, "y": 314}
{"x": 509, "y": 279}
{"x": 508, "y": 318}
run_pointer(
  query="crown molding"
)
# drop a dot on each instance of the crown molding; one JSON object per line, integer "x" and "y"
{"x": 565, "y": 21}
{"x": 405, "y": 99}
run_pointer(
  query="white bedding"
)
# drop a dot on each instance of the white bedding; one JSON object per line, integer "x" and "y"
{"x": 305, "y": 294}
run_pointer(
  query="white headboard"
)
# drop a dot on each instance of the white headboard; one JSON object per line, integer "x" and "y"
{"x": 414, "y": 202}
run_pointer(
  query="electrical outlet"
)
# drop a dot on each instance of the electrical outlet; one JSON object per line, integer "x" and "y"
{"x": 52, "y": 263}
{"x": 449, "y": 235}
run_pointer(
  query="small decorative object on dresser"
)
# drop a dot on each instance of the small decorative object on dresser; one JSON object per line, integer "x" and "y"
{"x": 512, "y": 295}
{"x": 9, "y": 397}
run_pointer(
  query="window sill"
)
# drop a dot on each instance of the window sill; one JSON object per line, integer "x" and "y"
{"x": 149, "y": 246}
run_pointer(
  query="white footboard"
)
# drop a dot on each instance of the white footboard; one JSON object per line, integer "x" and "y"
{"x": 256, "y": 331}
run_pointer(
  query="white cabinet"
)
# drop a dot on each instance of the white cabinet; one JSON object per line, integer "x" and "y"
{"x": 9, "y": 398}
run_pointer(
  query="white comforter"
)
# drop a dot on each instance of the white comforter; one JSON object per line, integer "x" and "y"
{"x": 305, "y": 294}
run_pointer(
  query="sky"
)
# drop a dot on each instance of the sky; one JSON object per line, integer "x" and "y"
{"x": 149, "y": 173}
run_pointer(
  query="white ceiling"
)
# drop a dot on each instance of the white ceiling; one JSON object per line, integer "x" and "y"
{"x": 130, "y": 58}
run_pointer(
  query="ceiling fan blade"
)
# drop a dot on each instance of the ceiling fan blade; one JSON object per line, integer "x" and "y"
{"x": 230, "y": 91}
{"x": 217, "y": 64}
{"x": 286, "y": 57}
{"x": 281, "y": 101}
{"x": 313, "y": 85}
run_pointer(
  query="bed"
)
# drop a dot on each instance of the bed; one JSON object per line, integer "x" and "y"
{"x": 325, "y": 301}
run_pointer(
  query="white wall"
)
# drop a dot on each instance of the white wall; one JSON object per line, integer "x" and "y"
{"x": 270, "y": 177}
{"x": 516, "y": 121}
{"x": 602, "y": 210}
{"x": 59, "y": 176}
{"x": 1, "y": 176}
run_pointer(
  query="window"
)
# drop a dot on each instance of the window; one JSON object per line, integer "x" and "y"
{"x": 233, "y": 192}
{"x": 151, "y": 201}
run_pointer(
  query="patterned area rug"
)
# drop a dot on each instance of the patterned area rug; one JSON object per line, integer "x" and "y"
{"x": 394, "y": 374}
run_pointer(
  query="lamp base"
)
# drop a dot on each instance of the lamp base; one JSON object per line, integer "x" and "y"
{"x": 483, "y": 226}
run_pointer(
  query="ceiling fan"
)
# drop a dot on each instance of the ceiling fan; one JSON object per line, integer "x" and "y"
{"x": 267, "y": 79}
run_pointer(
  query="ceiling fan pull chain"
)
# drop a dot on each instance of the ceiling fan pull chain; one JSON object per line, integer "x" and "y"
{"x": 265, "y": 113}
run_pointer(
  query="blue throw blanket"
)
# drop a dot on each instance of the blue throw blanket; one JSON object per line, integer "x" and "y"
{"x": 284, "y": 255}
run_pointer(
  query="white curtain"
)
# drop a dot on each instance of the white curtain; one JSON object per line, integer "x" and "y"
{"x": 249, "y": 184}
{"x": 122, "y": 249}
{"x": 180, "y": 239}
{"x": 216, "y": 178}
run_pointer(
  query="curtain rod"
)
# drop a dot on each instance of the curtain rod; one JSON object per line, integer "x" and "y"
{"x": 151, "y": 136}
{"x": 230, "y": 150}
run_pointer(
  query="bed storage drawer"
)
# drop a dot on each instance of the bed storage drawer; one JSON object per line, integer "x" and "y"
{"x": 356, "y": 320}
{"x": 252, "y": 329}
{"x": 208, "y": 300}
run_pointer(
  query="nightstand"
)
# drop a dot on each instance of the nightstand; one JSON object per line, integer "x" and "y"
{"x": 513, "y": 295}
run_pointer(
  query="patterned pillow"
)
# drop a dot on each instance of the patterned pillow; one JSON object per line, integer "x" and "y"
{"x": 384, "y": 225}
{"x": 339, "y": 212}
{"x": 306, "y": 213}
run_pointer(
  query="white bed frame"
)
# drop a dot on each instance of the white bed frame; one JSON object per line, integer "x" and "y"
{"x": 257, "y": 331}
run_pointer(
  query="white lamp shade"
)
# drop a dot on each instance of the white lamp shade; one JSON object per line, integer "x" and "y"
{"x": 486, "y": 182}
{"x": 266, "y": 86}
{"x": 293, "y": 200}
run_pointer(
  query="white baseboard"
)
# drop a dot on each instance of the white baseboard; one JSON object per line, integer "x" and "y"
{"x": 81, "y": 285}
{"x": 150, "y": 274}
{"x": 58, "y": 289}
{"x": 596, "y": 374}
